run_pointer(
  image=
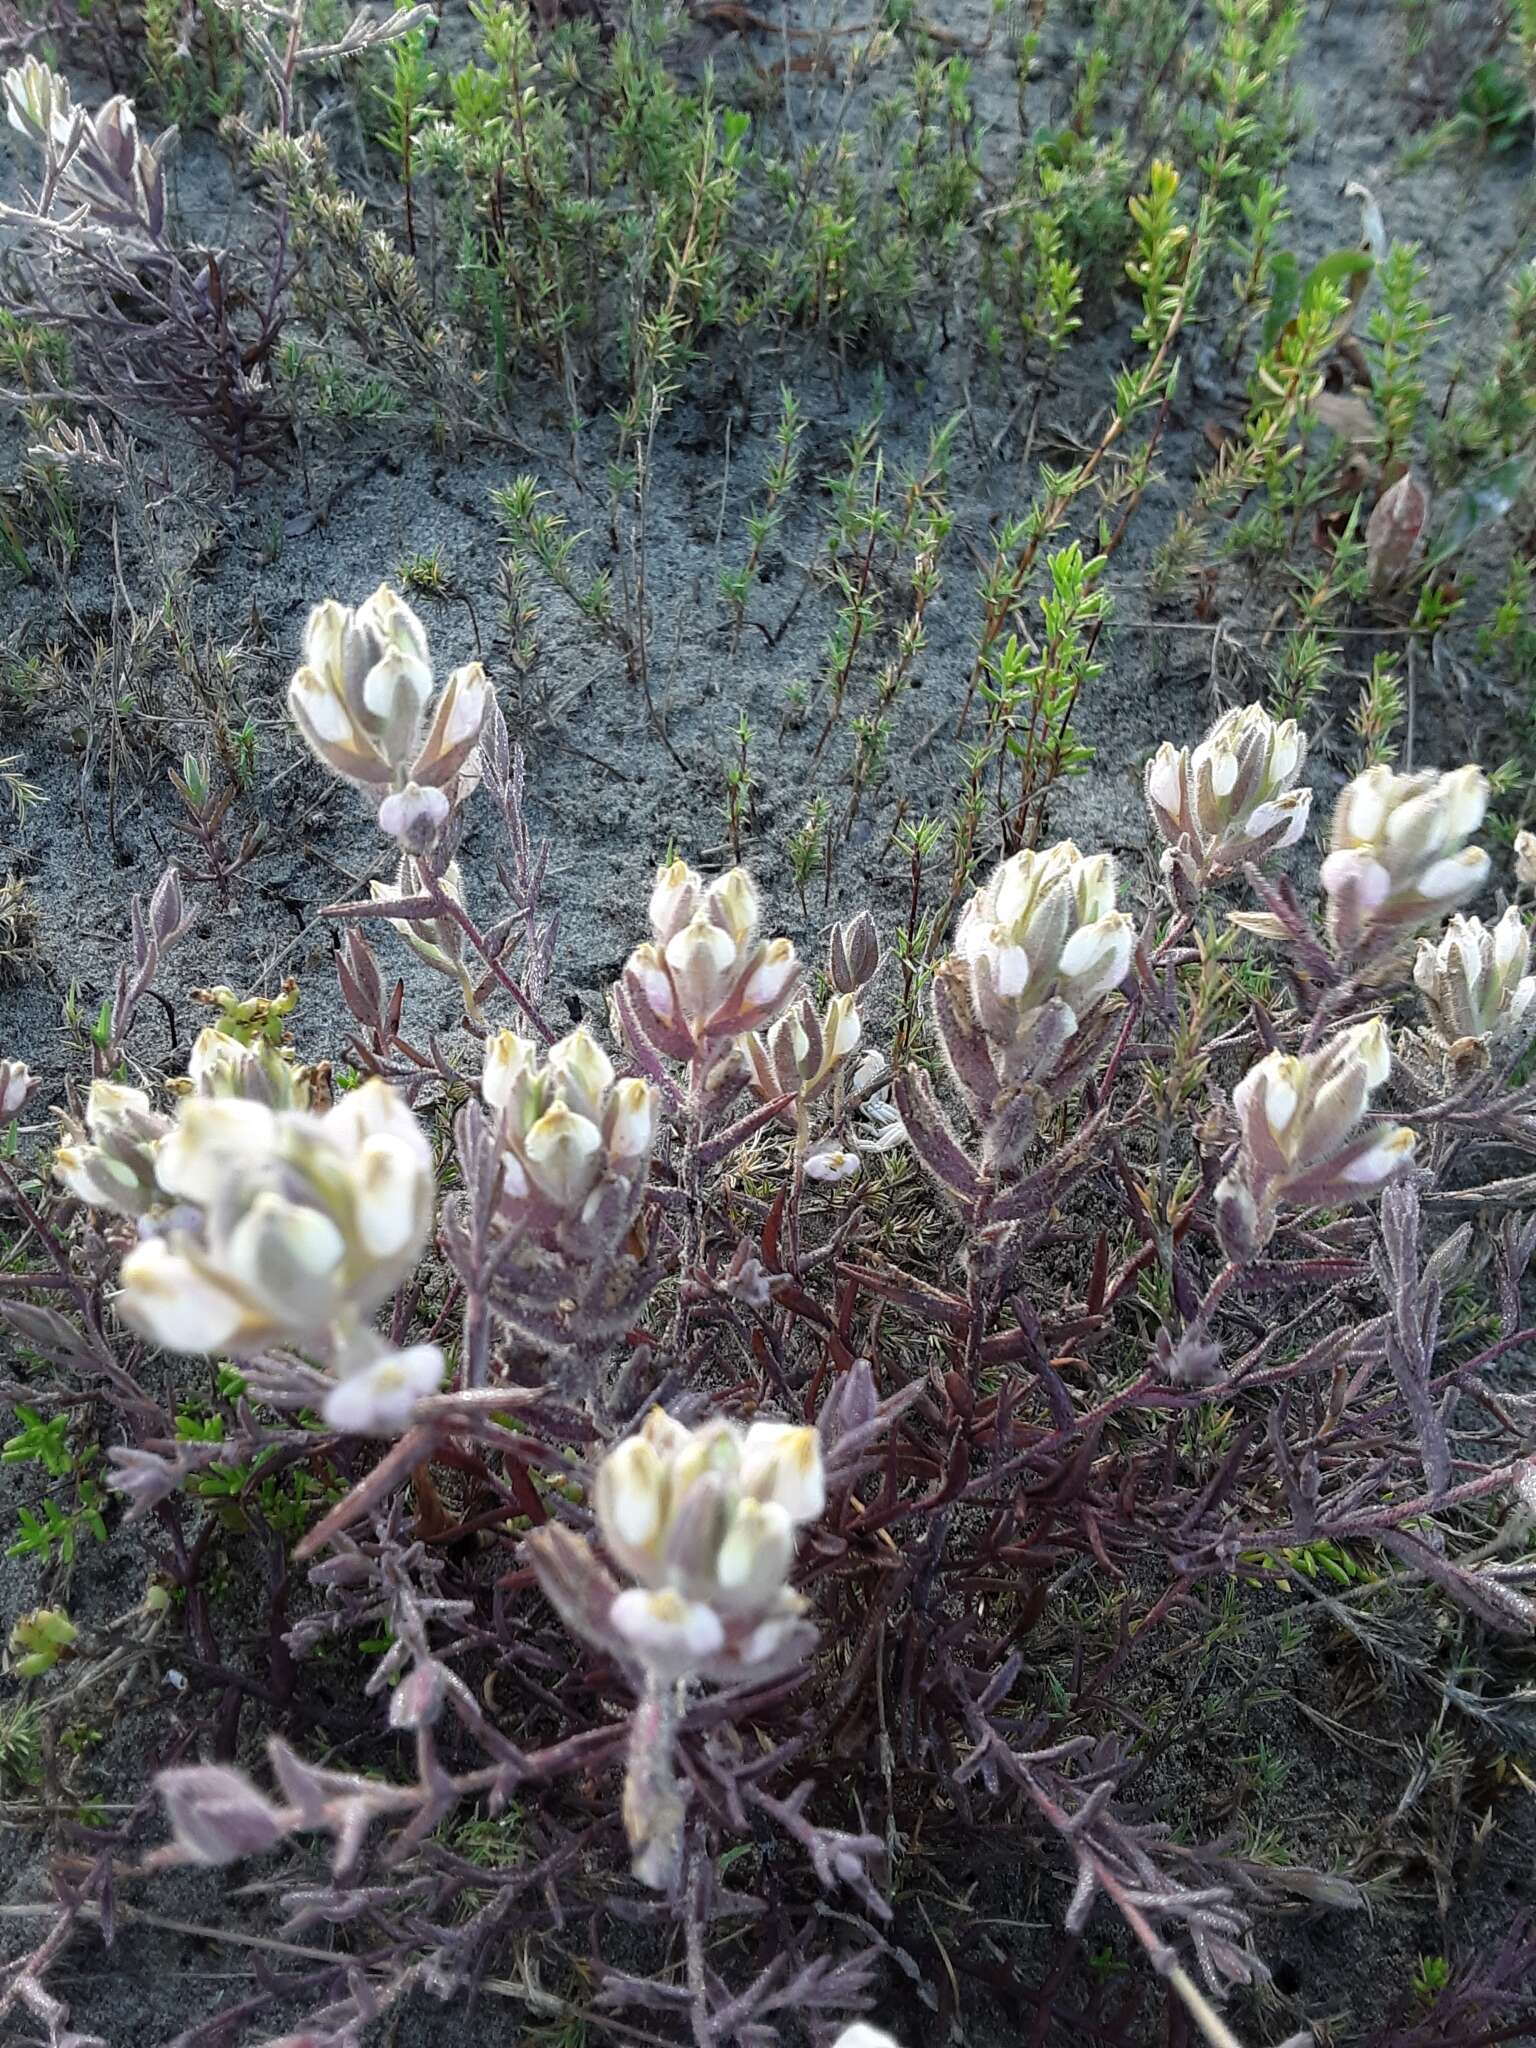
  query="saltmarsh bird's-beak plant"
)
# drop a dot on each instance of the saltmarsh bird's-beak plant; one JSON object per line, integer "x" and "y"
{"x": 1474, "y": 980}
{"x": 739, "y": 1466}
{"x": 1398, "y": 856}
{"x": 705, "y": 1522}
{"x": 363, "y": 699}
{"x": 1301, "y": 1140}
{"x": 1232, "y": 799}
{"x": 263, "y": 1226}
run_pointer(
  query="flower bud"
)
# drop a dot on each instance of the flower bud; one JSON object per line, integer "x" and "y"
{"x": 781, "y": 1461}
{"x": 853, "y": 954}
{"x": 38, "y": 1640}
{"x": 754, "y": 1555}
{"x": 168, "y": 1297}
{"x": 1395, "y": 531}
{"x": 417, "y": 1701}
{"x": 672, "y": 1635}
{"x": 629, "y": 1128}
{"x": 287, "y": 1251}
{"x": 562, "y": 1154}
{"x": 731, "y": 901}
{"x": 414, "y": 816}
{"x": 701, "y": 958}
{"x": 773, "y": 975}
{"x": 112, "y": 1163}
{"x": 581, "y": 1072}
{"x": 630, "y": 1501}
{"x": 328, "y": 728}
{"x": 1193, "y": 1361}
{"x": 454, "y": 732}
{"x": 16, "y": 1084}
{"x": 507, "y": 1059}
{"x": 712, "y": 1451}
{"x": 213, "y": 1136}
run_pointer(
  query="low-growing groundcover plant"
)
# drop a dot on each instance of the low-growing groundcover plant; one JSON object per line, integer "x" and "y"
{"x": 777, "y": 1506}
{"x": 844, "y": 1357}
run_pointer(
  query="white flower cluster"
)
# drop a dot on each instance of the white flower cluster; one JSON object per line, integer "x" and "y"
{"x": 1300, "y": 1141}
{"x": 1044, "y": 930}
{"x": 1232, "y": 799}
{"x": 263, "y": 1224}
{"x": 706, "y": 1519}
{"x": 361, "y": 699}
{"x": 1475, "y": 980}
{"x": 110, "y": 1163}
{"x": 565, "y": 1122}
{"x": 1399, "y": 854}
{"x": 706, "y": 978}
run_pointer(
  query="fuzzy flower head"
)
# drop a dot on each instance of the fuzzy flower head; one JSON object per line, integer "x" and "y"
{"x": 110, "y": 1163}
{"x": 1044, "y": 930}
{"x": 287, "y": 1227}
{"x": 705, "y": 1521}
{"x": 1474, "y": 980}
{"x": 360, "y": 697}
{"x": 568, "y": 1126}
{"x": 706, "y": 978}
{"x": 1399, "y": 856}
{"x": 1233, "y": 798}
{"x": 1300, "y": 1137}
